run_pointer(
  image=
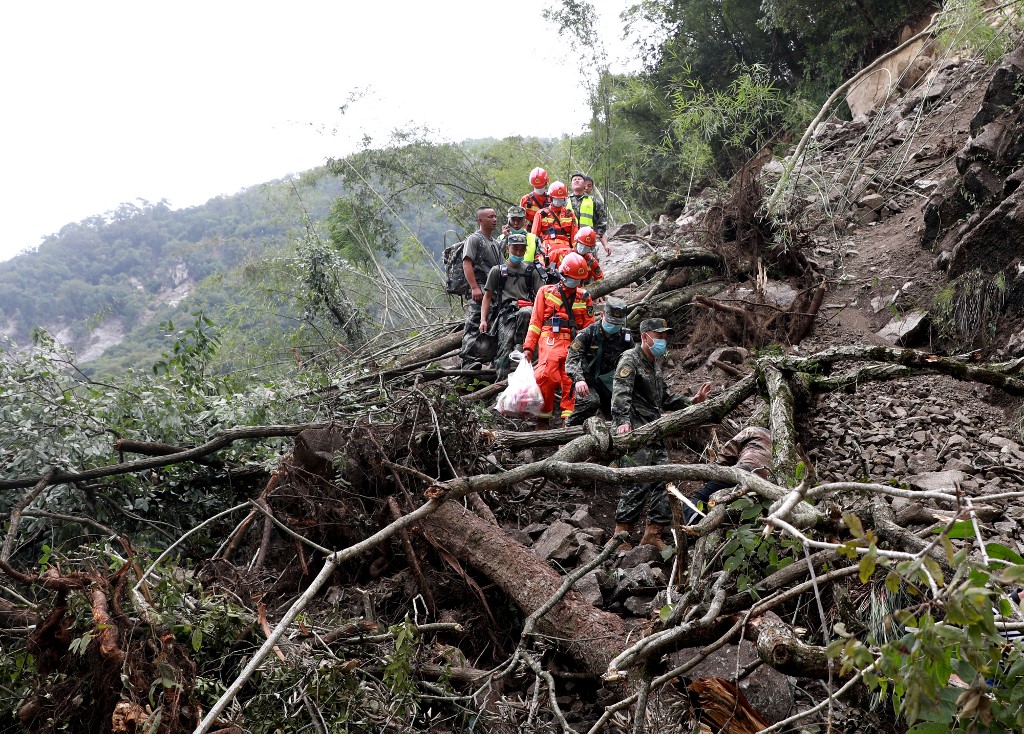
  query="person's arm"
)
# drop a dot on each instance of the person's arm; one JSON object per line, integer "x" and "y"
{"x": 574, "y": 364}
{"x": 622, "y": 395}
{"x": 474, "y": 287}
{"x": 672, "y": 401}
{"x": 485, "y": 308}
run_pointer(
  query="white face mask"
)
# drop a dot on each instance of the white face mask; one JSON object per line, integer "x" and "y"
{"x": 558, "y": 202}
{"x": 538, "y": 191}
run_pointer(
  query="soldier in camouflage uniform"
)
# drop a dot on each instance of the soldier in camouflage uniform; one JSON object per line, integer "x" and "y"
{"x": 511, "y": 289}
{"x": 593, "y": 356}
{"x": 639, "y": 394}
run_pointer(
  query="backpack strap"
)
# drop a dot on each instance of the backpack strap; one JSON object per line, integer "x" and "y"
{"x": 567, "y": 305}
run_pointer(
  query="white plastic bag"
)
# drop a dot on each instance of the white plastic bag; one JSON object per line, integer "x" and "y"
{"x": 522, "y": 396}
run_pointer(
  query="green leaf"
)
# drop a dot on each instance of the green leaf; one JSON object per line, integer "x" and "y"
{"x": 853, "y": 522}
{"x": 197, "y": 639}
{"x": 665, "y": 612}
{"x": 1002, "y": 553}
{"x": 867, "y": 565}
{"x": 960, "y": 530}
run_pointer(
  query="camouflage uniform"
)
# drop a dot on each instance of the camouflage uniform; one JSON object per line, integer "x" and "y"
{"x": 484, "y": 253}
{"x": 750, "y": 449}
{"x": 512, "y": 288}
{"x": 638, "y": 395}
{"x": 593, "y": 356}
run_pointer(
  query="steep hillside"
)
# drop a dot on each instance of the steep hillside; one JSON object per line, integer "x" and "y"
{"x": 111, "y": 279}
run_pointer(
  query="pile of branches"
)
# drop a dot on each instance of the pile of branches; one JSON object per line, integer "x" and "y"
{"x": 406, "y": 491}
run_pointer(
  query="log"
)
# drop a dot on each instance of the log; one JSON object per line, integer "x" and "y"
{"x": 784, "y": 453}
{"x": 661, "y": 260}
{"x": 997, "y": 375}
{"x": 434, "y": 349}
{"x": 778, "y": 646}
{"x": 591, "y": 636}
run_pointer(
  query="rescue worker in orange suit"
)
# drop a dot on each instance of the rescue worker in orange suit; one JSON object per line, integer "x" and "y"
{"x": 559, "y": 311}
{"x": 555, "y": 226}
{"x": 586, "y": 241}
{"x": 537, "y": 199}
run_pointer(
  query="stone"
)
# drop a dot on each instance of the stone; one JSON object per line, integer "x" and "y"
{"x": 628, "y": 228}
{"x": 638, "y": 605}
{"x": 590, "y": 588}
{"x": 1004, "y": 443}
{"x": 558, "y": 543}
{"x": 906, "y": 330}
{"x": 642, "y": 577}
{"x": 535, "y": 530}
{"x": 732, "y": 355}
{"x": 766, "y": 689}
{"x": 937, "y": 481}
{"x": 874, "y": 202}
{"x": 640, "y": 554}
{"x": 582, "y": 518}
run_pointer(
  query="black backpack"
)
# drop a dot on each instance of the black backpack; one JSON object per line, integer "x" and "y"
{"x": 455, "y": 277}
{"x": 526, "y": 272}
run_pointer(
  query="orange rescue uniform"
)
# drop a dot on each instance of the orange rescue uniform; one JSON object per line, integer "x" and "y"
{"x": 552, "y": 346}
{"x": 556, "y": 229}
{"x": 533, "y": 203}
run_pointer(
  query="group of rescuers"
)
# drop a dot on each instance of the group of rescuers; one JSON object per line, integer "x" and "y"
{"x": 526, "y": 285}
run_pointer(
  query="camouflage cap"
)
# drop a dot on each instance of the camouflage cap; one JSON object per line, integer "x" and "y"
{"x": 516, "y": 211}
{"x": 615, "y": 310}
{"x": 517, "y": 238}
{"x": 659, "y": 325}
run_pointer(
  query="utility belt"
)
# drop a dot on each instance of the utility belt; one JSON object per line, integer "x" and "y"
{"x": 557, "y": 328}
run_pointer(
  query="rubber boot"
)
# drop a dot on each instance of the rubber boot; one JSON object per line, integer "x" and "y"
{"x": 652, "y": 535}
{"x": 622, "y": 527}
{"x": 542, "y": 424}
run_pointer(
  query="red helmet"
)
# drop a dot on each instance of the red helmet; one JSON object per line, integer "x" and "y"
{"x": 574, "y": 266}
{"x": 538, "y": 178}
{"x": 587, "y": 236}
{"x": 558, "y": 190}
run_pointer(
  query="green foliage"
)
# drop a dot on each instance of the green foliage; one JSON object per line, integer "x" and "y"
{"x": 731, "y": 123}
{"x": 747, "y": 553}
{"x": 972, "y": 30}
{"x": 953, "y": 632}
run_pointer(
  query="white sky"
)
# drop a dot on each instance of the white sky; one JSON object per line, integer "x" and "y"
{"x": 107, "y": 102}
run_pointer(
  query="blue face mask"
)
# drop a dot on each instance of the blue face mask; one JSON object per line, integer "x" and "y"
{"x": 659, "y": 347}
{"x": 516, "y": 259}
{"x": 611, "y": 328}
{"x": 571, "y": 282}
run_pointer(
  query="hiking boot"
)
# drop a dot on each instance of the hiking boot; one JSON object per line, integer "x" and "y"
{"x": 542, "y": 424}
{"x": 652, "y": 535}
{"x": 623, "y": 527}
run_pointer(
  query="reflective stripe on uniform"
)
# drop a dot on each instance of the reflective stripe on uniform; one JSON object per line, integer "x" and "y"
{"x": 586, "y": 212}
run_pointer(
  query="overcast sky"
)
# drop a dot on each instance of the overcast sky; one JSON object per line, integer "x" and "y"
{"x": 107, "y": 102}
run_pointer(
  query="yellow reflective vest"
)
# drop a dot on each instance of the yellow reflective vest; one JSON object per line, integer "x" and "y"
{"x": 586, "y": 213}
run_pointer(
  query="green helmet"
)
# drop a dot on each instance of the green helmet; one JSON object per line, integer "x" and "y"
{"x": 516, "y": 211}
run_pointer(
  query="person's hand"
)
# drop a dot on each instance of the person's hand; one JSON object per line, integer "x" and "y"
{"x": 703, "y": 393}
{"x": 505, "y": 229}
{"x": 478, "y": 295}
{"x": 582, "y": 388}
{"x": 607, "y": 249}
{"x": 624, "y": 429}
{"x": 528, "y": 355}
{"x": 483, "y": 325}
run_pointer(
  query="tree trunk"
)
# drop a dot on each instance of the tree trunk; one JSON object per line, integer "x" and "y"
{"x": 592, "y": 636}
